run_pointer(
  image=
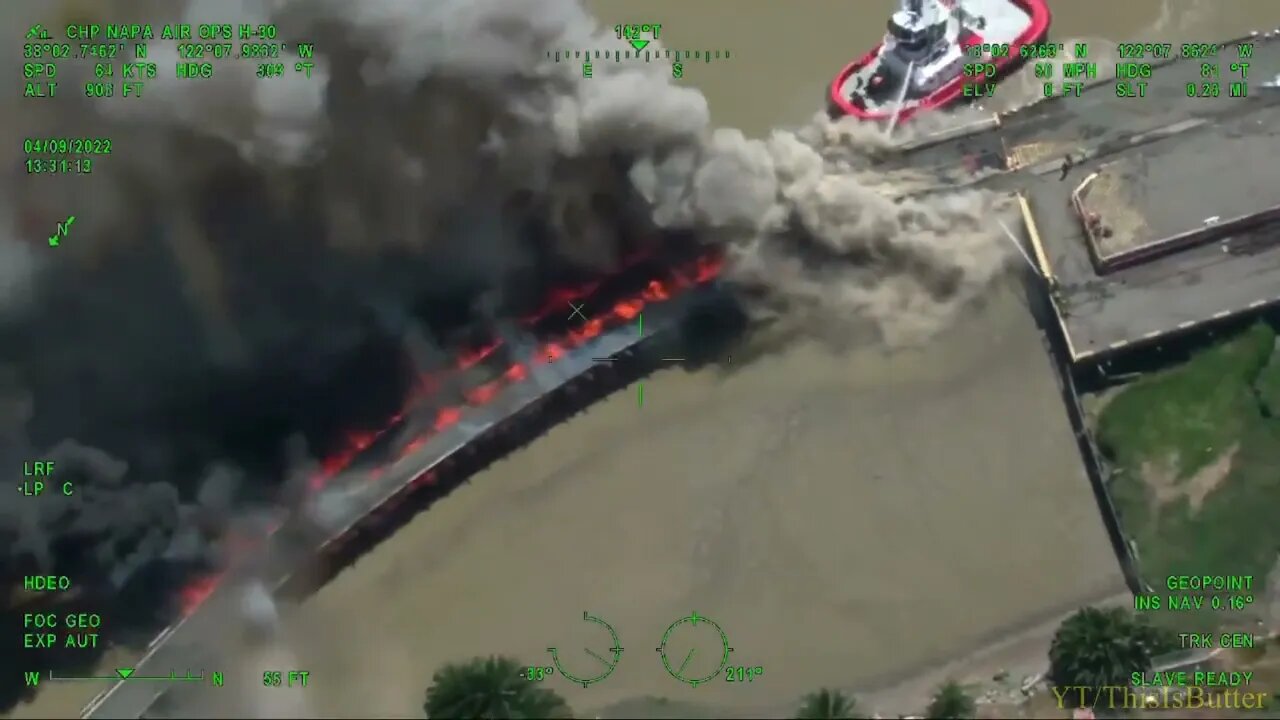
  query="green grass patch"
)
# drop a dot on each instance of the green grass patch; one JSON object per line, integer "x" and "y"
{"x": 1171, "y": 425}
{"x": 1192, "y": 412}
{"x": 1268, "y": 385}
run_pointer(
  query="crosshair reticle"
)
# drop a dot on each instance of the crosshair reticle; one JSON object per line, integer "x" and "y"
{"x": 694, "y": 650}
{"x": 598, "y": 663}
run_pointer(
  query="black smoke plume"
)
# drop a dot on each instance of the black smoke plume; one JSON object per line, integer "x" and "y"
{"x": 262, "y": 263}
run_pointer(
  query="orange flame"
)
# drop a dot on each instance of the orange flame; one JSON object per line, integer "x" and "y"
{"x": 197, "y": 591}
{"x": 700, "y": 271}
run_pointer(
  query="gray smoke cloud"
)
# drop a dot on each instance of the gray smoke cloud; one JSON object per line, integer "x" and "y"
{"x": 245, "y": 236}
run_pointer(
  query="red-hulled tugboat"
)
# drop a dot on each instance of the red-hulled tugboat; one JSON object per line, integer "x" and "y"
{"x": 920, "y": 64}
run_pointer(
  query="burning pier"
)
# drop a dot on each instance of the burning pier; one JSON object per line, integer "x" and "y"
{"x": 357, "y": 499}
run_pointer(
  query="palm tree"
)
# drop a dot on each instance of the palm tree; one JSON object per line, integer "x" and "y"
{"x": 492, "y": 687}
{"x": 1095, "y": 648}
{"x": 827, "y": 705}
{"x": 951, "y": 702}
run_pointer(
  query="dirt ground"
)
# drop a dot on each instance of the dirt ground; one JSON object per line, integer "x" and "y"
{"x": 848, "y": 520}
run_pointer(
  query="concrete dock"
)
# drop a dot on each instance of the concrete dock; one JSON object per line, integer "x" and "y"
{"x": 1201, "y": 210}
{"x": 1165, "y": 217}
{"x": 1143, "y": 206}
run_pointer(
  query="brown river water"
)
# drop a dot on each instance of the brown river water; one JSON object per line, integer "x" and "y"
{"x": 845, "y": 518}
{"x": 783, "y": 54}
{"x": 850, "y": 520}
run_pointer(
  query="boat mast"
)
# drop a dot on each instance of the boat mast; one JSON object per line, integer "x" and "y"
{"x": 918, "y": 34}
{"x": 902, "y": 100}
{"x": 917, "y": 28}
{"x": 908, "y": 27}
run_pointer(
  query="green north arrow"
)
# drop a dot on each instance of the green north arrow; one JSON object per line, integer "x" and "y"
{"x": 639, "y": 44}
{"x": 63, "y": 230}
{"x": 124, "y": 673}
